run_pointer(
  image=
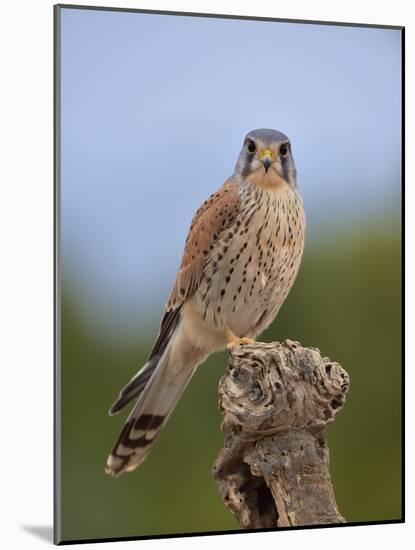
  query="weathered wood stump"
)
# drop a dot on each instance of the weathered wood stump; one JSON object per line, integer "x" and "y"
{"x": 277, "y": 401}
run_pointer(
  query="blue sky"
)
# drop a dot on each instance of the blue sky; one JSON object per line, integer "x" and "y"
{"x": 154, "y": 112}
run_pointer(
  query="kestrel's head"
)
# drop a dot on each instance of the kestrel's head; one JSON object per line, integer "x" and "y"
{"x": 266, "y": 160}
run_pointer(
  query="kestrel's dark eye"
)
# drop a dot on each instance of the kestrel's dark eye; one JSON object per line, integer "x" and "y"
{"x": 251, "y": 146}
{"x": 284, "y": 149}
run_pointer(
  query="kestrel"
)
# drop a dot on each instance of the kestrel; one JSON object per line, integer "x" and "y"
{"x": 241, "y": 257}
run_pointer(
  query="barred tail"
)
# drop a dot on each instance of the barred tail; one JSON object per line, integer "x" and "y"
{"x": 168, "y": 377}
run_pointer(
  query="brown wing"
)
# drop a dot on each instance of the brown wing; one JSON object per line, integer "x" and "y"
{"x": 216, "y": 214}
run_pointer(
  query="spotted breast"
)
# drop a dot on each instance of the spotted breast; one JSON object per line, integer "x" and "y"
{"x": 254, "y": 264}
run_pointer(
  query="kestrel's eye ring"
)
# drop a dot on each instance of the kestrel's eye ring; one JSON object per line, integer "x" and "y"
{"x": 284, "y": 149}
{"x": 251, "y": 146}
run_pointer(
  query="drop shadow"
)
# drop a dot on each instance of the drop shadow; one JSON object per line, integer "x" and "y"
{"x": 44, "y": 532}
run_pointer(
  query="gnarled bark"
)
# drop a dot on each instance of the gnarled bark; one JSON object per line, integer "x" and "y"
{"x": 277, "y": 401}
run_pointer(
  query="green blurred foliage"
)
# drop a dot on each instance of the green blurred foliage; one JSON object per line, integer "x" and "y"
{"x": 346, "y": 301}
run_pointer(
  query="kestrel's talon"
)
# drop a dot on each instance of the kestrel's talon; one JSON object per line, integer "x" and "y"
{"x": 235, "y": 341}
{"x": 247, "y": 341}
{"x": 240, "y": 342}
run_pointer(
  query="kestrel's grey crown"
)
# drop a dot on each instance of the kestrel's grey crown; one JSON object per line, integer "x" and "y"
{"x": 267, "y": 135}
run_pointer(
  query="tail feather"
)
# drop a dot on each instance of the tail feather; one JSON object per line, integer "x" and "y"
{"x": 146, "y": 419}
{"x": 169, "y": 377}
{"x": 137, "y": 384}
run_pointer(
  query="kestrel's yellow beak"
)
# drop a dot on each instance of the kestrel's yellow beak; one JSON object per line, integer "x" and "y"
{"x": 267, "y": 157}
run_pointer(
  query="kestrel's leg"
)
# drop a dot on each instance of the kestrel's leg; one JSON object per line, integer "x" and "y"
{"x": 233, "y": 340}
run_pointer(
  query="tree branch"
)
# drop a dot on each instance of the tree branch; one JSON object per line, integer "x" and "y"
{"x": 277, "y": 401}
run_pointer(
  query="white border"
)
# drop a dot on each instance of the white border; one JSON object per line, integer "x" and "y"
{"x": 26, "y": 225}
